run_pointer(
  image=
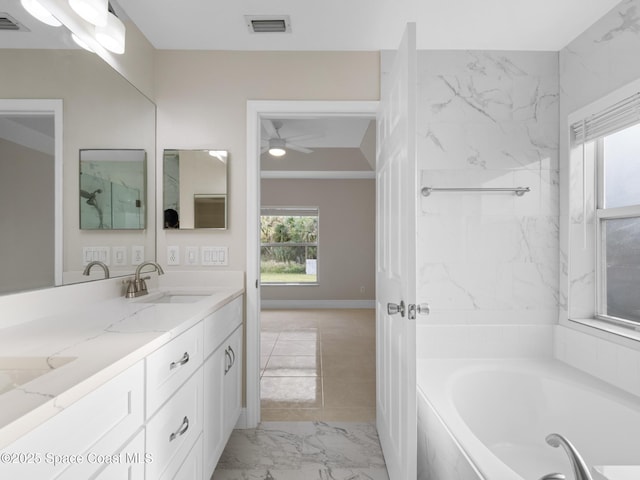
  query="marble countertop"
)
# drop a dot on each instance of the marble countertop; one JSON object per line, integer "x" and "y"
{"x": 103, "y": 338}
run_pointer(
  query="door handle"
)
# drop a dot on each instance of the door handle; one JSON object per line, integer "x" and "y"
{"x": 393, "y": 308}
{"x": 421, "y": 309}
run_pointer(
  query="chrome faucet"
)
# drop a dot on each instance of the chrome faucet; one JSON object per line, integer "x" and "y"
{"x": 87, "y": 269}
{"x": 137, "y": 285}
{"x": 580, "y": 468}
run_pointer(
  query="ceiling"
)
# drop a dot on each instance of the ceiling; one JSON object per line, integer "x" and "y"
{"x": 366, "y": 24}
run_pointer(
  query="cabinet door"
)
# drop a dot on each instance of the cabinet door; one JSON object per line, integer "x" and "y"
{"x": 127, "y": 464}
{"x": 214, "y": 439}
{"x": 233, "y": 383}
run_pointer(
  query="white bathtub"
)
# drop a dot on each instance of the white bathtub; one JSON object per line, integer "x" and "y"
{"x": 487, "y": 419}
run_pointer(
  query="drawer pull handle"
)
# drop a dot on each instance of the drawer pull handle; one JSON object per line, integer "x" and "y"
{"x": 233, "y": 360}
{"x": 182, "y": 361}
{"x": 181, "y": 431}
{"x": 229, "y": 361}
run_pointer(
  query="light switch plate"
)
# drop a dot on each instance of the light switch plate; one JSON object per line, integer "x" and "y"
{"x": 191, "y": 256}
{"x": 119, "y": 256}
{"x": 173, "y": 255}
{"x": 90, "y": 254}
{"x": 215, "y": 256}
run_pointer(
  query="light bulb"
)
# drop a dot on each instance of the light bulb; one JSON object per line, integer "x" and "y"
{"x": 36, "y": 9}
{"x": 112, "y": 35}
{"x": 93, "y": 11}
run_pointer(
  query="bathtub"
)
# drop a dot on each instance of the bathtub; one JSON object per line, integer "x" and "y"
{"x": 487, "y": 419}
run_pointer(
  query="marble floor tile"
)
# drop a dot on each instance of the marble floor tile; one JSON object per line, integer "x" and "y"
{"x": 303, "y": 451}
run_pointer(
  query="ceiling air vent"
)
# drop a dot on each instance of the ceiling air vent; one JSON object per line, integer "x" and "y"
{"x": 10, "y": 24}
{"x": 268, "y": 24}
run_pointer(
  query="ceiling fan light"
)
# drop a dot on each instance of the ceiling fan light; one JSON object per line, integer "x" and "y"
{"x": 35, "y": 8}
{"x": 276, "y": 147}
{"x": 112, "y": 35}
{"x": 93, "y": 11}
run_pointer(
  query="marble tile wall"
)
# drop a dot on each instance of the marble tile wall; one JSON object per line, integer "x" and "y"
{"x": 488, "y": 119}
{"x": 601, "y": 60}
{"x": 439, "y": 455}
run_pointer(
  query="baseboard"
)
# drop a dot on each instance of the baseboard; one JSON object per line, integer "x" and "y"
{"x": 304, "y": 304}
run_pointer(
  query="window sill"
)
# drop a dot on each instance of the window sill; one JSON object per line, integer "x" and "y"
{"x": 632, "y": 333}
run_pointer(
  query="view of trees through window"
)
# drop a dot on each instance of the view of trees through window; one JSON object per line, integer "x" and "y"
{"x": 289, "y": 246}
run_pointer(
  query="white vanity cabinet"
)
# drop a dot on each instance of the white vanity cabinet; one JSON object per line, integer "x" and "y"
{"x": 78, "y": 441}
{"x": 167, "y": 417}
{"x": 222, "y": 379}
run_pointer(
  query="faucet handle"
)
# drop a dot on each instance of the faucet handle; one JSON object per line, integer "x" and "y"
{"x": 553, "y": 476}
{"x": 131, "y": 289}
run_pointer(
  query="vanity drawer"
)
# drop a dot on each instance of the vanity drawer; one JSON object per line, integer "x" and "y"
{"x": 98, "y": 423}
{"x": 172, "y": 432}
{"x": 171, "y": 365}
{"x": 221, "y": 323}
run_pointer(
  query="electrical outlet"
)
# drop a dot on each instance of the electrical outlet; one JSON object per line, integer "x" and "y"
{"x": 137, "y": 254}
{"x": 191, "y": 256}
{"x": 173, "y": 255}
{"x": 119, "y": 256}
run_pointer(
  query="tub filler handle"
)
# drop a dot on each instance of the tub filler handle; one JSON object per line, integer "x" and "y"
{"x": 554, "y": 476}
{"x": 580, "y": 468}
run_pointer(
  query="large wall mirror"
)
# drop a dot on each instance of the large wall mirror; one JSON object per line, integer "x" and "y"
{"x": 195, "y": 189}
{"x": 100, "y": 110}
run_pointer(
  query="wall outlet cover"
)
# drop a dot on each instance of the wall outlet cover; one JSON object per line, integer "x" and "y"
{"x": 137, "y": 254}
{"x": 173, "y": 255}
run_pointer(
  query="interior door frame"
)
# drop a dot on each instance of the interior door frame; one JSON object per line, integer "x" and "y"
{"x": 256, "y": 111}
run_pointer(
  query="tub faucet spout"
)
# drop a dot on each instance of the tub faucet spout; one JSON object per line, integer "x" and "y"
{"x": 580, "y": 469}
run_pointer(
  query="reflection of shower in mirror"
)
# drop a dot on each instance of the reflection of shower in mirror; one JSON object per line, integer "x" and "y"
{"x": 112, "y": 185}
{"x": 91, "y": 200}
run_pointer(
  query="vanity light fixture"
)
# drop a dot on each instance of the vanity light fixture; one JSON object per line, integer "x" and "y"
{"x": 81, "y": 43}
{"x": 93, "y": 11}
{"x": 35, "y": 8}
{"x": 276, "y": 147}
{"x": 111, "y": 36}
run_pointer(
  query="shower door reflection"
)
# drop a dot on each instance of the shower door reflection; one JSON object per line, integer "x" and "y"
{"x": 112, "y": 189}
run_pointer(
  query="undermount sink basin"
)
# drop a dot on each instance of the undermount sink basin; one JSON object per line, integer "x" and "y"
{"x": 175, "y": 297}
{"x": 16, "y": 371}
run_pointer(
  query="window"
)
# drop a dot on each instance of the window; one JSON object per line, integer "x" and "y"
{"x": 289, "y": 245}
{"x": 618, "y": 225}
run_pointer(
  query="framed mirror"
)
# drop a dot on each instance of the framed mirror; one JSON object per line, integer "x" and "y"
{"x": 195, "y": 189}
{"x": 113, "y": 189}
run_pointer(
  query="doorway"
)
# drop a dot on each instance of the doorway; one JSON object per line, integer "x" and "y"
{"x": 256, "y": 112}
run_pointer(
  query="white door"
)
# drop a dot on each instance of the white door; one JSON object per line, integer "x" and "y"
{"x": 397, "y": 192}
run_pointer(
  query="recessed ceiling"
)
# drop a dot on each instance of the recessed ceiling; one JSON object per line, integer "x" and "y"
{"x": 367, "y": 24}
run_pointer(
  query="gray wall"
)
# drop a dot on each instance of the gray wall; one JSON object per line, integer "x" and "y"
{"x": 27, "y": 218}
{"x": 346, "y": 253}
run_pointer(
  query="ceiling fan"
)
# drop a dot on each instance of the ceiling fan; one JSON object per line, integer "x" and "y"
{"x": 275, "y": 144}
